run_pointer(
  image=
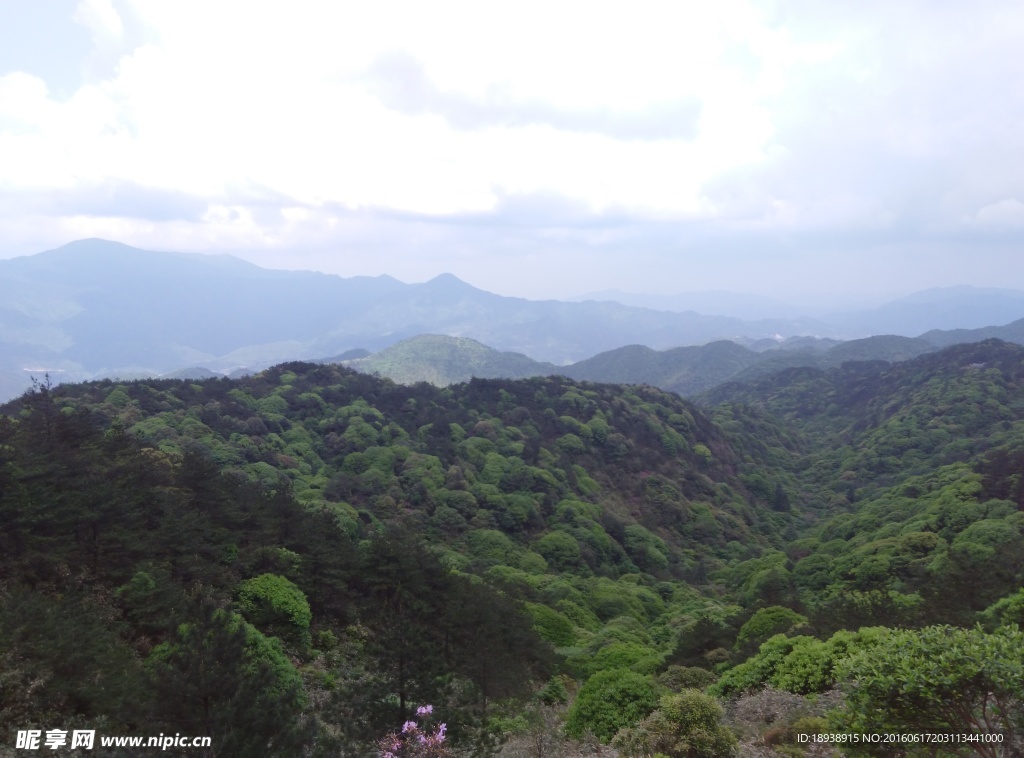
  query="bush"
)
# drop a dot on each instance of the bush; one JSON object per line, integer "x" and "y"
{"x": 554, "y": 692}
{"x": 687, "y": 725}
{"x": 273, "y": 603}
{"x": 625, "y": 655}
{"x": 937, "y": 679}
{"x": 559, "y": 549}
{"x": 686, "y": 678}
{"x": 552, "y": 625}
{"x": 1009, "y": 610}
{"x": 571, "y": 444}
{"x": 608, "y": 702}
{"x": 768, "y": 622}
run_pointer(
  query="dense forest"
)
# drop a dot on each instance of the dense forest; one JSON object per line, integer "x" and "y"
{"x": 301, "y": 561}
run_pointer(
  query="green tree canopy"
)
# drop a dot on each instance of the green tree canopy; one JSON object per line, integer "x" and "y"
{"x": 686, "y": 725}
{"x": 940, "y": 680}
{"x": 609, "y": 701}
{"x": 275, "y": 604}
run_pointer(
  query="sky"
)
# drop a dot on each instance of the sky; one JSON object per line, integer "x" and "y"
{"x": 537, "y": 149}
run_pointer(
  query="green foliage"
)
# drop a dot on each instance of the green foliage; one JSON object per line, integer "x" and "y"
{"x": 678, "y": 678}
{"x": 221, "y": 675}
{"x": 61, "y": 661}
{"x": 277, "y": 605}
{"x": 801, "y": 665}
{"x": 762, "y": 580}
{"x": 921, "y": 522}
{"x": 554, "y": 692}
{"x": 939, "y": 680}
{"x": 686, "y": 725}
{"x": 810, "y": 665}
{"x": 492, "y": 547}
{"x": 271, "y": 405}
{"x": 706, "y": 635}
{"x": 1005, "y": 612}
{"x": 427, "y": 622}
{"x": 868, "y": 495}
{"x": 145, "y": 530}
{"x": 118, "y": 398}
{"x": 609, "y": 701}
{"x": 758, "y": 670}
{"x": 571, "y": 444}
{"x": 559, "y": 549}
{"x": 552, "y": 625}
{"x": 768, "y": 622}
{"x": 624, "y": 655}
{"x": 648, "y": 551}
{"x": 486, "y": 455}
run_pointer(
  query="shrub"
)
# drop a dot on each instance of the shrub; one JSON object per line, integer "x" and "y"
{"x": 275, "y": 604}
{"x": 936, "y": 679}
{"x": 768, "y": 622}
{"x": 559, "y": 549}
{"x": 552, "y": 625}
{"x": 687, "y": 725}
{"x": 608, "y": 702}
{"x": 686, "y": 678}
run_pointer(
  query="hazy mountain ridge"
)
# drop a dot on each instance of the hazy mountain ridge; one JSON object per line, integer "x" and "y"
{"x": 442, "y": 360}
{"x": 946, "y": 308}
{"x": 686, "y": 370}
{"x": 96, "y": 308}
{"x": 93, "y": 307}
{"x": 1012, "y": 332}
{"x": 716, "y": 302}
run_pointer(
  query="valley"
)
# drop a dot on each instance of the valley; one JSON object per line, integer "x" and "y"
{"x": 777, "y": 535}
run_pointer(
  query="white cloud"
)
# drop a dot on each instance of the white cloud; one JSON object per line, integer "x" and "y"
{"x": 1006, "y": 214}
{"x": 24, "y": 102}
{"x": 100, "y": 17}
{"x": 242, "y": 92}
{"x": 275, "y": 126}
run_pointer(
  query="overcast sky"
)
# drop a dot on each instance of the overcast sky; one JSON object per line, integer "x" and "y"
{"x": 541, "y": 149}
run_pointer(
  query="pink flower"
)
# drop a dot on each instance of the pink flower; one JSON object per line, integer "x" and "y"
{"x": 408, "y": 726}
{"x": 424, "y": 710}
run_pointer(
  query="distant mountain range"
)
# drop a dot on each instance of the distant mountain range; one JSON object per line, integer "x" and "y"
{"x": 686, "y": 370}
{"x": 711, "y": 303}
{"x": 961, "y": 307}
{"x": 443, "y": 360}
{"x": 97, "y": 308}
{"x": 945, "y": 308}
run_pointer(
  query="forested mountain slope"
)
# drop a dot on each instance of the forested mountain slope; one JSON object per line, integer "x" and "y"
{"x": 470, "y": 454}
{"x": 148, "y": 592}
{"x": 341, "y": 550}
{"x": 273, "y": 519}
{"x": 923, "y": 462}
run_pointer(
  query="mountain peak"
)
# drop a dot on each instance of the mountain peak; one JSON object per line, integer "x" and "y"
{"x": 94, "y": 243}
{"x": 448, "y": 282}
